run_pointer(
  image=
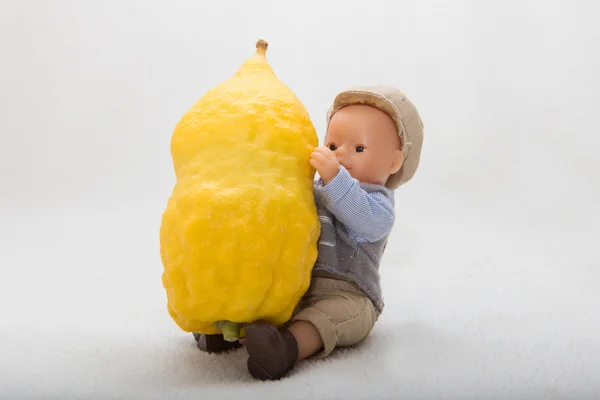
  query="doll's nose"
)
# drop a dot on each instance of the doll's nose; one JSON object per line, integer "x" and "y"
{"x": 342, "y": 158}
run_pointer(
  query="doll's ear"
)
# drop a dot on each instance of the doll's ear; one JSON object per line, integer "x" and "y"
{"x": 397, "y": 162}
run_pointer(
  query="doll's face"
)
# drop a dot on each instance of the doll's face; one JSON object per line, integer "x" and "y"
{"x": 365, "y": 141}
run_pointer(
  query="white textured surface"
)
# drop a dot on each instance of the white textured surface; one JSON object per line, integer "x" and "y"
{"x": 472, "y": 312}
{"x": 492, "y": 274}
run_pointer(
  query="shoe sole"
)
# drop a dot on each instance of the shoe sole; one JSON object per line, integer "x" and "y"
{"x": 265, "y": 351}
{"x": 222, "y": 347}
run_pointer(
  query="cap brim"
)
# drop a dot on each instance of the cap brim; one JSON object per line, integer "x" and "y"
{"x": 355, "y": 97}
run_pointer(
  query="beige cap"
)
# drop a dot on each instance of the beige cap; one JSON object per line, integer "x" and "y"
{"x": 404, "y": 114}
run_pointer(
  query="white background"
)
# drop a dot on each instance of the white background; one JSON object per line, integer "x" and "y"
{"x": 492, "y": 275}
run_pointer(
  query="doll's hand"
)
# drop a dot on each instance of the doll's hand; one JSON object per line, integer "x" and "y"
{"x": 323, "y": 159}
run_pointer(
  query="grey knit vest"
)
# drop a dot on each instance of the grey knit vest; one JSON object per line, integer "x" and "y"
{"x": 340, "y": 255}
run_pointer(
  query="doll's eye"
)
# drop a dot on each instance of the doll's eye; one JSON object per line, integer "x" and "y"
{"x": 332, "y": 147}
{"x": 360, "y": 149}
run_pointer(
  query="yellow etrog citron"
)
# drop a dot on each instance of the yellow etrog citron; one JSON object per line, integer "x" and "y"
{"x": 238, "y": 237}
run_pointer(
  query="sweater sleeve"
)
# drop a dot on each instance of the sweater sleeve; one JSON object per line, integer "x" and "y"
{"x": 370, "y": 216}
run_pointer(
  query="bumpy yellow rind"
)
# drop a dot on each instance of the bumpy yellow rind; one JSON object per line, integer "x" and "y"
{"x": 238, "y": 237}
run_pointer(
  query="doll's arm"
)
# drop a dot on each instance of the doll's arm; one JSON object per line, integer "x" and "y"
{"x": 370, "y": 215}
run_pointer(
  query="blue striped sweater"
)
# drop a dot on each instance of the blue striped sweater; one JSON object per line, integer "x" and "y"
{"x": 356, "y": 220}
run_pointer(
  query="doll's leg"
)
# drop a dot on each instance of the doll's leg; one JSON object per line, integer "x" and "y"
{"x": 333, "y": 313}
{"x": 340, "y": 313}
{"x": 214, "y": 343}
{"x": 272, "y": 351}
{"x": 308, "y": 338}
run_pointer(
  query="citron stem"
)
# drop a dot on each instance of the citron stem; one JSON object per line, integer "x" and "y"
{"x": 231, "y": 330}
{"x": 261, "y": 46}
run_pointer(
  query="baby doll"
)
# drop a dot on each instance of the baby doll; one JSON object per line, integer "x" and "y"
{"x": 372, "y": 146}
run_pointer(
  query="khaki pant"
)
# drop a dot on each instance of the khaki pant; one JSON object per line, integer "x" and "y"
{"x": 341, "y": 312}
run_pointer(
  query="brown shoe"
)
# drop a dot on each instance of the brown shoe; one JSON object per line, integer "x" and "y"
{"x": 215, "y": 343}
{"x": 272, "y": 352}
